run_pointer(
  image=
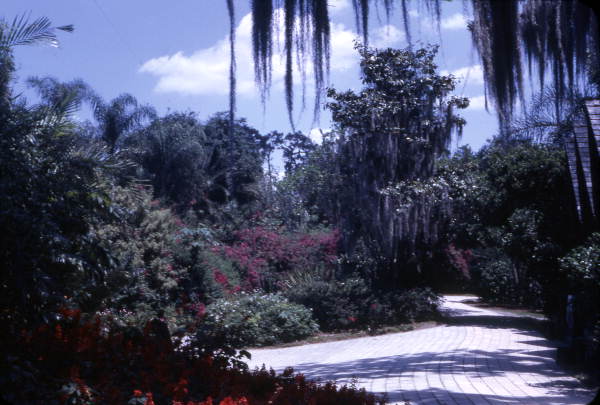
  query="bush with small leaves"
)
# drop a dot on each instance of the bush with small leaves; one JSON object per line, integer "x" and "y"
{"x": 253, "y": 319}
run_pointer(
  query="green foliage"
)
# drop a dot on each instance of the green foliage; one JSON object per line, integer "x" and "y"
{"x": 148, "y": 281}
{"x": 581, "y": 264}
{"x": 54, "y": 192}
{"x": 119, "y": 117}
{"x": 494, "y": 275}
{"x": 198, "y": 166}
{"x": 253, "y": 319}
{"x": 518, "y": 215}
{"x": 391, "y": 133}
{"x": 335, "y": 304}
{"x": 350, "y": 303}
{"x": 309, "y": 192}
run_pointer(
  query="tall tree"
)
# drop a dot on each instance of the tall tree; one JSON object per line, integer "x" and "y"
{"x": 391, "y": 133}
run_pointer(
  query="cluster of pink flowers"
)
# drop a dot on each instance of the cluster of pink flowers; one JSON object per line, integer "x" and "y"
{"x": 460, "y": 259}
{"x": 259, "y": 248}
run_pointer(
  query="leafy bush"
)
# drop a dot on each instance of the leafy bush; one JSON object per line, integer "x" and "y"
{"x": 335, "y": 304}
{"x": 254, "y": 319}
{"x": 495, "y": 277}
{"x": 582, "y": 266}
{"x": 416, "y": 304}
{"x": 350, "y": 303}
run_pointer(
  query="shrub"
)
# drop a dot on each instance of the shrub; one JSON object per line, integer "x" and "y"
{"x": 335, "y": 304}
{"x": 350, "y": 304}
{"x": 412, "y": 305}
{"x": 254, "y": 319}
{"x": 261, "y": 253}
{"x": 495, "y": 277}
{"x": 582, "y": 266}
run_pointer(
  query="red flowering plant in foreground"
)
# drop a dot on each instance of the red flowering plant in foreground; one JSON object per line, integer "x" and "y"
{"x": 85, "y": 361}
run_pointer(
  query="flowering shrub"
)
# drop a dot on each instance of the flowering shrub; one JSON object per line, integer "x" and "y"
{"x": 78, "y": 361}
{"x": 460, "y": 258}
{"x": 254, "y": 319}
{"x": 261, "y": 252}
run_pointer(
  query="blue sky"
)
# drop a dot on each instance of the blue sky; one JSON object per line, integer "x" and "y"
{"x": 174, "y": 56}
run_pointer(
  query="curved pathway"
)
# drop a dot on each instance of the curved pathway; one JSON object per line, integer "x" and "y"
{"x": 480, "y": 357}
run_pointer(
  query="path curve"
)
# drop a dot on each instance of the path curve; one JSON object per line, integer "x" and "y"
{"x": 481, "y": 357}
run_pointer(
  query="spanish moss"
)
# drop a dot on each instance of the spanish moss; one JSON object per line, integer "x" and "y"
{"x": 290, "y": 17}
{"x": 557, "y": 37}
{"x": 232, "y": 65}
{"x": 320, "y": 43}
{"x": 494, "y": 32}
{"x": 361, "y": 16}
{"x": 262, "y": 43}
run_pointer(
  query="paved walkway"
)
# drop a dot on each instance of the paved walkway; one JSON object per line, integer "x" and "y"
{"x": 481, "y": 357}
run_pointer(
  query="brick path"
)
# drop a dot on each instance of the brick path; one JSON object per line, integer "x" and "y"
{"x": 481, "y": 357}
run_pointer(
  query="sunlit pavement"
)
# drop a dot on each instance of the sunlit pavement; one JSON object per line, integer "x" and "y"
{"x": 482, "y": 357}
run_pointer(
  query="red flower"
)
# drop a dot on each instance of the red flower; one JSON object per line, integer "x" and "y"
{"x": 137, "y": 393}
{"x": 227, "y": 401}
{"x": 207, "y": 401}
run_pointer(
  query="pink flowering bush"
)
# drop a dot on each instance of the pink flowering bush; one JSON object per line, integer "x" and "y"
{"x": 262, "y": 253}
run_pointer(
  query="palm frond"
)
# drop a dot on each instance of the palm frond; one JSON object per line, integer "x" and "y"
{"x": 23, "y": 32}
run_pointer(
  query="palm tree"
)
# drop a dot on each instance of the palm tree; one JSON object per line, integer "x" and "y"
{"x": 119, "y": 117}
{"x": 21, "y": 32}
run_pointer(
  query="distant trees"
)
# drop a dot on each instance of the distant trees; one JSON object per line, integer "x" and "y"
{"x": 119, "y": 117}
{"x": 199, "y": 165}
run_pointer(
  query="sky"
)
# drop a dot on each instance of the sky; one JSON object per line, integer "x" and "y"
{"x": 174, "y": 55}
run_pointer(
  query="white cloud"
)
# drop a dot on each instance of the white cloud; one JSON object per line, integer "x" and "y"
{"x": 477, "y": 103}
{"x": 206, "y": 71}
{"x": 456, "y": 21}
{"x": 316, "y": 134}
{"x": 387, "y": 36}
{"x": 343, "y": 54}
{"x": 467, "y": 74}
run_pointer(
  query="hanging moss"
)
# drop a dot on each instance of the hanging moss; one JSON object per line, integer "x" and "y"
{"x": 232, "y": 64}
{"x": 290, "y": 17}
{"x": 560, "y": 36}
{"x": 262, "y": 43}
